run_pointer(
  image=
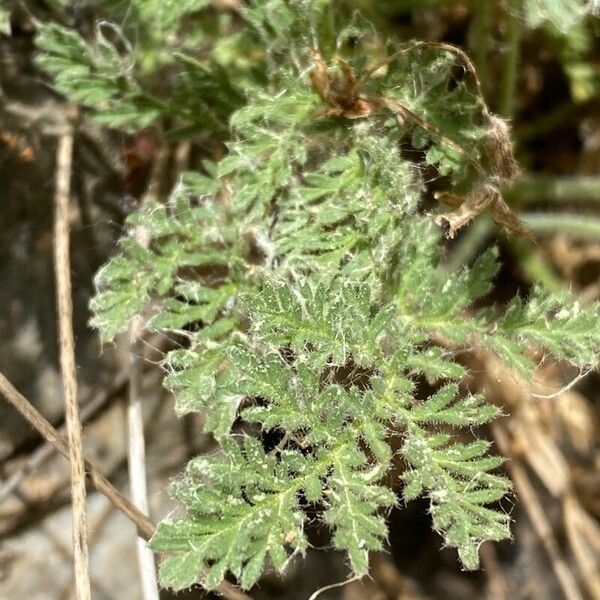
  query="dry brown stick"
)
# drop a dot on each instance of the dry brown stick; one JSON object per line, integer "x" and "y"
{"x": 55, "y": 499}
{"x": 537, "y": 516}
{"x": 48, "y": 432}
{"x": 143, "y": 523}
{"x": 45, "y": 450}
{"x": 62, "y": 269}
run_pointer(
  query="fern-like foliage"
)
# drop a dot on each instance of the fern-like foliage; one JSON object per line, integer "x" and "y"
{"x": 125, "y": 89}
{"x": 304, "y": 273}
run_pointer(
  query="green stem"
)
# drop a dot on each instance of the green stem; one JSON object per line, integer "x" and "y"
{"x": 510, "y": 73}
{"x": 575, "y": 225}
{"x": 532, "y": 188}
{"x": 535, "y": 267}
{"x": 479, "y": 34}
{"x": 469, "y": 244}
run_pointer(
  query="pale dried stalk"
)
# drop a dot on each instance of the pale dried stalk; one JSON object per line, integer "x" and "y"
{"x": 136, "y": 449}
{"x": 62, "y": 268}
{"x": 49, "y": 433}
{"x": 136, "y": 455}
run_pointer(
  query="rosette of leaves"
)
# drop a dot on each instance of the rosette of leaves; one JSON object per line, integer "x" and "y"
{"x": 304, "y": 274}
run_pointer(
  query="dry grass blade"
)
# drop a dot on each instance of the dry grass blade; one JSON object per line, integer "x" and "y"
{"x": 583, "y": 533}
{"x": 62, "y": 267}
{"x": 537, "y": 516}
{"x": 541, "y": 452}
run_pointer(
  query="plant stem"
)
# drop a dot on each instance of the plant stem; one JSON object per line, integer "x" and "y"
{"x": 469, "y": 243}
{"x": 136, "y": 448}
{"x": 43, "y": 452}
{"x": 535, "y": 267}
{"x": 479, "y": 35}
{"x": 136, "y": 454}
{"x": 510, "y": 73}
{"x": 62, "y": 268}
{"x": 575, "y": 225}
{"x": 531, "y": 188}
{"x": 50, "y": 434}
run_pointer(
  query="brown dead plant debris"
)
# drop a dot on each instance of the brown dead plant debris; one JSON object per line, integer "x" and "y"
{"x": 485, "y": 197}
{"x": 340, "y": 90}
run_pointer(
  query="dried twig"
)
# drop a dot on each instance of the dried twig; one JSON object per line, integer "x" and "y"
{"x": 95, "y": 534}
{"x": 143, "y": 523}
{"x": 67, "y": 554}
{"x": 45, "y": 450}
{"x": 484, "y": 197}
{"x": 49, "y": 433}
{"x": 62, "y": 268}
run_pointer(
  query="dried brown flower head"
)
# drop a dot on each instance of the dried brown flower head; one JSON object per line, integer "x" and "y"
{"x": 339, "y": 90}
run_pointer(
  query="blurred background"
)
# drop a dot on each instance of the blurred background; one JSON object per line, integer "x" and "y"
{"x": 539, "y": 64}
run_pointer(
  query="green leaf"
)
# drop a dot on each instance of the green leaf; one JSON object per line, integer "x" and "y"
{"x": 180, "y": 571}
{"x": 354, "y": 501}
{"x": 302, "y": 278}
{"x": 249, "y": 511}
{"x": 457, "y": 480}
